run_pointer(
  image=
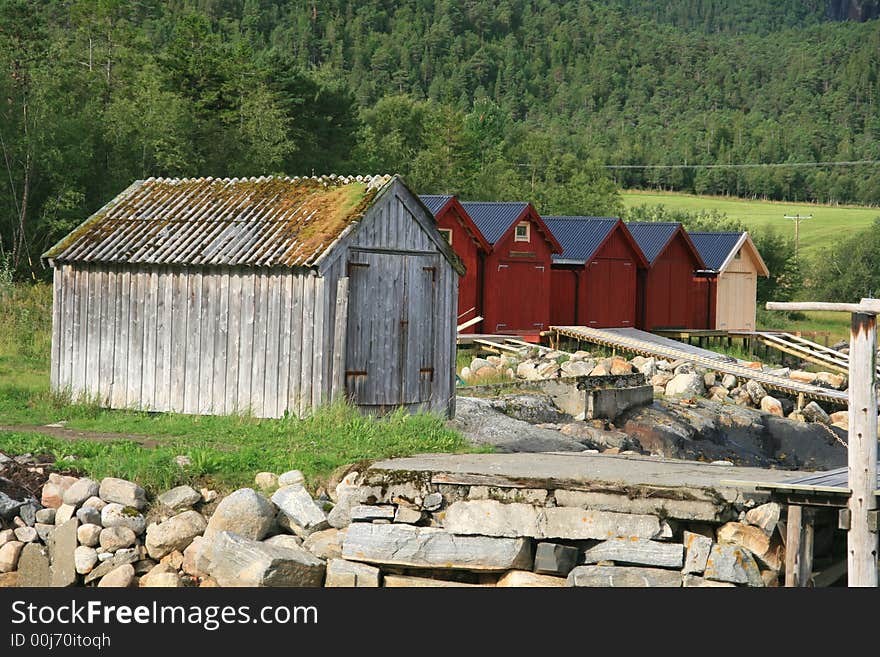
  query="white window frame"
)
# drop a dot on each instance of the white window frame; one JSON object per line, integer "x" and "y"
{"x": 528, "y": 235}
{"x": 447, "y": 234}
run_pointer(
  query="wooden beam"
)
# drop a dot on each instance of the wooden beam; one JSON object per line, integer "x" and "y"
{"x": 470, "y": 322}
{"x": 798, "y": 547}
{"x": 865, "y": 306}
{"x": 862, "y": 451}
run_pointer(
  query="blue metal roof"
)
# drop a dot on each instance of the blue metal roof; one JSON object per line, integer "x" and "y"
{"x": 579, "y": 236}
{"x": 652, "y": 236}
{"x": 494, "y": 218}
{"x": 714, "y": 248}
{"x": 434, "y": 202}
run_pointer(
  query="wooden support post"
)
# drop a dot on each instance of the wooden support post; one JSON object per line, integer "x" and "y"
{"x": 798, "y": 547}
{"x": 862, "y": 539}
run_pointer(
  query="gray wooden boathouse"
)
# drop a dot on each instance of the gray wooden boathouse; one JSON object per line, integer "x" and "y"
{"x": 267, "y": 295}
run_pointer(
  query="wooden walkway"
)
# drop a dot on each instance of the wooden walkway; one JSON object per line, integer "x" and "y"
{"x": 648, "y": 344}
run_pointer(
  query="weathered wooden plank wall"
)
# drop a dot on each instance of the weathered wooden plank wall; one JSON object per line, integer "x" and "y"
{"x": 210, "y": 341}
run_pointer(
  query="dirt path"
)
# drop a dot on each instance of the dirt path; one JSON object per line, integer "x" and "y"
{"x": 77, "y": 434}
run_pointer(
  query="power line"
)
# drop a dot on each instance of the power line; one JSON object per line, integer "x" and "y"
{"x": 752, "y": 165}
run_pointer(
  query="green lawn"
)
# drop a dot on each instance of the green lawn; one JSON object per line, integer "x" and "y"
{"x": 225, "y": 452}
{"x": 829, "y": 222}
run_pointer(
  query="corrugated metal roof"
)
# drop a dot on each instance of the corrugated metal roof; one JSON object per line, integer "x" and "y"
{"x": 652, "y": 236}
{"x": 267, "y": 221}
{"x": 579, "y": 236}
{"x": 434, "y": 202}
{"x": 714, "y": 248}
{"x": 494, "y": 218}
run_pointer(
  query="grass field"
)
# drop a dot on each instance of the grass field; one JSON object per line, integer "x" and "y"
{"x": 829, "y": 222}
{"x": 225, "y": 452}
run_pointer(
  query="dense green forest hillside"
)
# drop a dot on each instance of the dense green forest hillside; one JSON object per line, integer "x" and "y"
{"x": 499, "y": 99}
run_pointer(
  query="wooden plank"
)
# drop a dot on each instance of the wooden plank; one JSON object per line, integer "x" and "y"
{"x": 798, "y": 547}
{"x": 862, "y": 450}
{"x": 150, "y": 279}
{"x": 105, "y": 337}
{"x": 273, "y": 330}
{"x": 340, "y": 323}
{"x": 65, "y": 351}
{"x": 294, "y": 386}
{"x": 246, "y": 343}
{"x": 221, "y": 339}
{"x": 283, "y": 394}
{"x": 308, "y": 338}
{"x": 207, "y": 322}
{"x": 319, "y": 394}
{"x": 258, "y": 363}
{"x": 121, "y": 351}
{"x": 133, "y": 398}
{"x": 164, "y": 320}
{"x": 57, "y": 292}
{"x": 93, "y": 333}
{"x": 193, "y": 340}
{"x": 179, "y": 333}
{"x": 829, "y": 575}
{"x": 233, "y": 342}
{"x": 80, "y": 332}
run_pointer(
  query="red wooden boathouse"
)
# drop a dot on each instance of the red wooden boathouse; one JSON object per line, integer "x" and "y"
{"x": 594, "y": 279}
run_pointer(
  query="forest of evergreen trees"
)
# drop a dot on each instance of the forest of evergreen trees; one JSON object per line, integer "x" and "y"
{"x": 498, "y": 99}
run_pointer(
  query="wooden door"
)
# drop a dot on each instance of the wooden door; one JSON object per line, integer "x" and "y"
{"x": 390, "y": 328}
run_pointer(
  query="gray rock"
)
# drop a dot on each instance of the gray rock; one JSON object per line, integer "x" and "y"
{"x": 44, "y": 531}
{"x": 62, "y": 546}
{"x": 756, "y": 391}
{"x": 45, "y": 516}
{"x": 126, "y": 493}
{"x": 695, "y": 581}
{"x": 407, "y": 515}
{"x": 237, "y": 561}
{"x": 196, "y": 561}
{"x": 161, "y": 576}
{"x": 340, "y": 515}
{"x": 176, "y": 533}
{"x": 298, "y": 509}
{"x": 623, "y": 577}
{"x": 424, "y": 547}
{"x": 9, "y": 554}
{"x": 111, "y": 562}
{"x": 182, "y": 497}
{"x": 116, "y": 538}
{"x": 326, "y": 544}
{"x": 88, "y": 515}
{"x": 26, "y": 534}
{"x": 89, "y": 534}
{"x": 28, "y": 513}
{"x": 119, "y": 578}
{"x": 765, "y": 516}
{"x": 6, "y": 535}
{"x": 731, "y": 563}
{"x": 342, "y": 573}
{"x": 117, "y": 515}
{"x": 244, "y": 512}
{"x": 8, "y": 506}
{"x": 815, "y": 413}
{"x": 637, "y": 552}
{"x": 555, "y": 559}
{"x": 64, "y": 513}
{"x": 493, "y": 518}
{"x": 94, "y": 503}
{"x": 33, "y": 566}
{"x": 531, "y": 408}
{"x": 686, "y": 384}
{"x": 284, "y": 540}
{"x": 432, "y": 502}
{"x": 369, "y": 513}
{"x": 80, "y": 491}
{"x": 291, "y": 478}
{"x": 728, "y": 381}
{"x": 85, "y": 559}
{"x": 697, "y": 548}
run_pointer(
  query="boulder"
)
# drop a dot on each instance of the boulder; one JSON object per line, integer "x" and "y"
{"x": 637, "y": 552}
{"x": 181, "y": 497}
{"x": 9, "y": 554}
{"x": 88, "y": 515}
{"x": 80, "y": 491}
{"x": 765, "y": 516}
{"x": 647, "y": 366}
{"x": 815, "y": 413}
{"x": 6, "y": 535}
{"x": 342, "y": 573}
{"x": 728, "y": 381}
{"x": 117, "y": 515}
{"x": 802, "y": 377}
{"x": 555, "y": 559}
{"x": 116, "y": 538}
{"x": 575, "y": 368}
{"x": 697, "y": 548}
{"x": 161, "y": 575}
{"x": 62, "y": 546}
{"x": 732, "y": 563}
{"x": 284, "y": 540}
{"x": 107, "y": 565}
{"x": 291, "y": 478}
{"x": 64, "y": 513}
{"x": 44, "y": 531}
{"x": 695, "y": 581}
{"x": 840, "y": 419}
{"x": 829, "y": 380}
{"x": 120, "y": 577}
{"x": 33, "y": 566}
{"x": 755, "y": 540}
{"x": 176, "y": 533}
{"x": 53, "y": 490}
{"x": 26, "y": 534}
{"x": 620, "y": 367}
{"x": 84, "y": 559}
{"x": 407, "y": 515}
{"x": 94, "y": 503}
{"x": 756, "y": 391}
{"x": 89, "y": 534}
{"x": 623, "y": 577}
{"x": 195, "y": 559}
{"x": 266, "y": 481}
{"x": 685, "y": 385}
{"x": 772, "y": 405}
{"x": 298, "y": 511}
{"x": 238, "y": 561}
{"x": 424, "y": 547}
{"x": 126, "y": 493}
{"x": 326, "y": 544}
{"x": 243, "y": 512}
{"x": 28, "y": 512}
{"x": 45, "y": 516}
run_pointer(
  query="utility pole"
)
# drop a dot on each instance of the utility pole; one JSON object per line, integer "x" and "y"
{"x": 797, "y": 230}
{"x": 862, "y": 435}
